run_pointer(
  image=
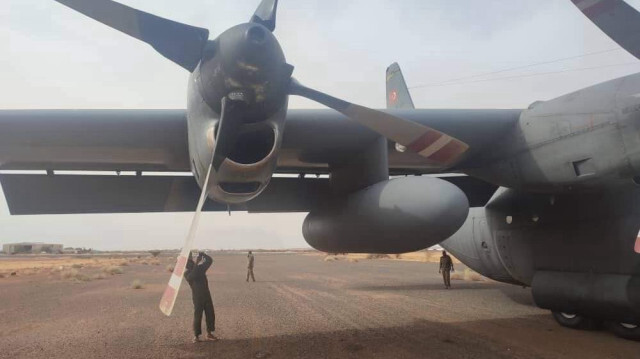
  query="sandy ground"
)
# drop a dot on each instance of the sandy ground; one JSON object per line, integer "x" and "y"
{"x": 301, "y": 307}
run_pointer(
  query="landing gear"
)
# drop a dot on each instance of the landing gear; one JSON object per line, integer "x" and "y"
{"x": 575, "y": 321}
{"x": 629, "y": 331}
{"x": 625, "y": 330}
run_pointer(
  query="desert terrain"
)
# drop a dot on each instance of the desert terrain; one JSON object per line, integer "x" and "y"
{"x": 302, "y": 306}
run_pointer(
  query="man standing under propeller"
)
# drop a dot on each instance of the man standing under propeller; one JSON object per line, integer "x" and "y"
{"x": 197, "y": 278}
{"x": 446, "y": 267}
{"x": 250, "y": 261}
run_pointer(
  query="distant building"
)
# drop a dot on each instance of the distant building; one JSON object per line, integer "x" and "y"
{"x": 35, "y": 248}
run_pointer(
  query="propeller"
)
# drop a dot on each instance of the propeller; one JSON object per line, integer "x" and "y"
{"x": 227, "y": 135}
{"x": 619, "y": 20}
{"x": 427, "y": 142}
{"x": 266, "y": 14}
{"x": 184, "y": 45}
{"x": 244, "y": 77}
{"x": 170, "y": 294}
{"x": 180, "y": 43}
{"x": 228, "y": 131}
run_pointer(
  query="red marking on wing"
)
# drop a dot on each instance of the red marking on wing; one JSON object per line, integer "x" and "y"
{"x": 180, "y": 264}
{"x": 637, "y": 245}
{"x": 449, "y": 152}
{"x": 424, "y": 141}
{"x": 167, "y": 298}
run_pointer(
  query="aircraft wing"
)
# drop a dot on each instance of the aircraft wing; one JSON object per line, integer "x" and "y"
{"x": 156, "y": 140}
{"x": 149, "y": 141}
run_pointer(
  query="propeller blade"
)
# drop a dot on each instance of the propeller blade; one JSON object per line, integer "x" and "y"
{"x": 171, "y": 292}
{"x": 228, "y": 131}
{"x": 266, "y": 14}
{"x": 427, "y": 142}
{"x": 619, "y": 20}
{"x": 180, "y": 43}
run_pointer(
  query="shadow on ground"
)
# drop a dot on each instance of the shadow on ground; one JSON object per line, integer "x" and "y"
{"x": 422, "y": 339}
{"x": 430, "y": 286}
{"x": 516, "y": 294}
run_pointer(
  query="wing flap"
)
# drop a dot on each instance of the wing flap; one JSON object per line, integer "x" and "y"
{"x": 77, "y": 194}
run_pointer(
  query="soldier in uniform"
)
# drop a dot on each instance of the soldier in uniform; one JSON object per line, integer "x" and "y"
{"x": 250, "y": 266}
{"x": 197, "y": 278}
{"x": 446, "y": 267}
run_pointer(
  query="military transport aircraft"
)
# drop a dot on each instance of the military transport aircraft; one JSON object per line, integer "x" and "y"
{"x": 551, "y": 196}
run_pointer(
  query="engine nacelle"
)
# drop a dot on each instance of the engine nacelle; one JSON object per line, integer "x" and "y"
{"x": 248, "y": 169}
{"x": 395, "y": 216}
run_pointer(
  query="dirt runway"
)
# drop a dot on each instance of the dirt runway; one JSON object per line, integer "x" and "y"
{"x": 301, "y": 307}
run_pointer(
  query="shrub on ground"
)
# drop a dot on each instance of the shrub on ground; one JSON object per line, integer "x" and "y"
{"x": 112, "y": 270}
{"x": 136, "y": 284}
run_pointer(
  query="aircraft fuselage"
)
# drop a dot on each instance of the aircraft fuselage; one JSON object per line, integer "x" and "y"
{"x": 585, "y": 140}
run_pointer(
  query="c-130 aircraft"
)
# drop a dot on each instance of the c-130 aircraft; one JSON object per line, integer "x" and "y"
{"x": 551, "y": 196}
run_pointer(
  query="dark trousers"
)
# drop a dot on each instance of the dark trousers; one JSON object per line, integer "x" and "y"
{"x": 446, "y": 275}
{"x": 250, "y": 273}
{"x": 205, "y": 305}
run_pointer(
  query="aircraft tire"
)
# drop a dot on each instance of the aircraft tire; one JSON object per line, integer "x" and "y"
{"x": 575, "y": 321}
{"x": 624, "y": 330}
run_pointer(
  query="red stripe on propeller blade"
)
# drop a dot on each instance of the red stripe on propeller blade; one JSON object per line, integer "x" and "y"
{"x": 424, "y": 141}
{"x": 182, "y": 261}
{"x": 449, "y": 152}
{"x": 167, "y": 298}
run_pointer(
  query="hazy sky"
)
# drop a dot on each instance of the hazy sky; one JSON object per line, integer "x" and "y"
{"x": 53, "y": 57}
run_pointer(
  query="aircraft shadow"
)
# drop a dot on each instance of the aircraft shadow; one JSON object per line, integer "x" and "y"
{"x": 430, "y": 286}
{"x": 517, "y": 294}
{"x": 422, "y": 339}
